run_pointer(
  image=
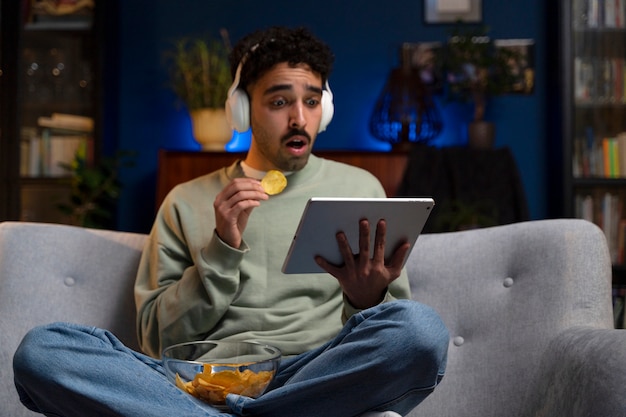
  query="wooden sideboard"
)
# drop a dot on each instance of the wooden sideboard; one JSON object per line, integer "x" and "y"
{"x": 180, "y": 166}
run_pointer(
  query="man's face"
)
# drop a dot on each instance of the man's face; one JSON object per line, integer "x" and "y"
{"x": 285, "y": 115}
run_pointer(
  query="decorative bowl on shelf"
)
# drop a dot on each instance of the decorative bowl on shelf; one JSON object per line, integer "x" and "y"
{"x": 210, "y": 370}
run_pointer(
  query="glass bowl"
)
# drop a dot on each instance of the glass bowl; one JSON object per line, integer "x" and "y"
{"x": 209, "y": 370}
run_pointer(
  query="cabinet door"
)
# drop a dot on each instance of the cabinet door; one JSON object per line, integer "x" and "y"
{"x": 595, "y": 120}
{"x": 8, "y": 109}
{"x": 54, "y": 48}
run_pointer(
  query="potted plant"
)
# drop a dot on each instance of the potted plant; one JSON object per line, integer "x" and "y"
{"x": 200, "y": 77}
{"x": 95, "y": 189}
{"x": 475, "y": 70}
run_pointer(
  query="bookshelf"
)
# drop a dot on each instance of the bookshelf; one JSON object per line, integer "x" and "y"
{"x": 50, "y": 73}
{"x": 592, "y": 76}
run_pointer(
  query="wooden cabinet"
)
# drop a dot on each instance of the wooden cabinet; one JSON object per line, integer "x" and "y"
{"x": 179, "y": 166}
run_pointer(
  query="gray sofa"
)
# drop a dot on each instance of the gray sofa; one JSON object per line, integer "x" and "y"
{"x": 528, "y": 306}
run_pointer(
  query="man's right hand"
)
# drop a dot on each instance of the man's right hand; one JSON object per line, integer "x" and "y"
{"x": 233, "y": 206}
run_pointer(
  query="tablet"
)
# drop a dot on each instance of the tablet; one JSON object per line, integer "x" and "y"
{"x": 324, "y": 217}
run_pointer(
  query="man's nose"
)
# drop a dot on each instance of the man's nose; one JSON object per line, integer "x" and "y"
{"x": 296, "y": 116}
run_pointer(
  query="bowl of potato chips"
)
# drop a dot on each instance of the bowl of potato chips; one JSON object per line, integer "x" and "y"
{"x": 210, "y": 370}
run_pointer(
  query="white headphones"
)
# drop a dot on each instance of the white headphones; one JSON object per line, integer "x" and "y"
{"x": 238, "y": 103}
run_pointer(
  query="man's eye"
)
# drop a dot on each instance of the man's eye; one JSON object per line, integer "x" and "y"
{"x": 312, "y": 102}
{"x": 279, "y": 102}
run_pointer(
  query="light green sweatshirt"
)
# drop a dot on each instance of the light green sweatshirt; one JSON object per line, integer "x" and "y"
{"x": 192, "y": 286}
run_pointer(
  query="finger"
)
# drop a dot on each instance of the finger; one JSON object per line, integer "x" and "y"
{"x": 379, "y": 241}
{"x": 240, "y": 189}
{"x": 231, "y": 222}
{"x": 332, "y": 269}
{"x": 234, "y": 206}
{"x": 236, "y": 192}
{"x": 364, "y": 242}
{"x": 243, "y": 184}
{"x": 345, "y": 250}
{"x": 398, "y": 257}
{"x": 247, "y": 195}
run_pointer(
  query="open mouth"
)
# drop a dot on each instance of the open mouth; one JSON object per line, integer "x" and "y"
{"x": 296, "y": 144}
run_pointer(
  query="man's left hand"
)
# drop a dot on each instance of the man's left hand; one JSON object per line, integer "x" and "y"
{"x": 364, "y": 279}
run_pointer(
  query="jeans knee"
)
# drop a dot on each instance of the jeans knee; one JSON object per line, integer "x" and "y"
{"x": 28, "y": 353}
{"x": 424, "y": 322}
{"x": 421, "y": 335}
{"x": 35, "y": 353}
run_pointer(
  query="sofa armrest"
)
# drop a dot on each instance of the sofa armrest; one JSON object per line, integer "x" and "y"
{"x": 582, "y": 373}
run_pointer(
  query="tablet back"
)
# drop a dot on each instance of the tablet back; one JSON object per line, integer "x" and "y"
{"x": 323, "y": 218}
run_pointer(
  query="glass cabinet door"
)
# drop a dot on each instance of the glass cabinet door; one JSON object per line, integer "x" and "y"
{"x": 8, "y": 96}
{"x": 55, "y": 54}
{"x": 595, "y": 131}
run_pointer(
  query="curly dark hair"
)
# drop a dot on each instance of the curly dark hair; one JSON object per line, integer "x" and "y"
{"x": 263, "y": 49}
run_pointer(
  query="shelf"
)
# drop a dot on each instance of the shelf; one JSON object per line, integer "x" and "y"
{"x": 589, "y": 105}
{"x": 586, "y": 31}
{"x": 78, "y": 25}
{"x": 598, "y": 182}
{"x": 26, "y": 182}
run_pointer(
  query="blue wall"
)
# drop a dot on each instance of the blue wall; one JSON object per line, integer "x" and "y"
{"x": 365, "y": 36}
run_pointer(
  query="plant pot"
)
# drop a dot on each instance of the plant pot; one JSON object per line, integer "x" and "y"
{"x": 481, "y": 134}
{"x": 210, "y": 128}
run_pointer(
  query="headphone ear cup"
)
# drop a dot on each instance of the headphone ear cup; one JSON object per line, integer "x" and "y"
{"x": 328, "y": 109}
{"x": 238, "y": 110}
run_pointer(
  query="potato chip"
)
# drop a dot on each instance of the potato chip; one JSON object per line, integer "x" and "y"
{"x": 274, "y": 182}
{"x": 213, "y": 387}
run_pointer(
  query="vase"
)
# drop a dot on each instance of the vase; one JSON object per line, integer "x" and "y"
{"x": 481, "y": 134}
{"x": 210, "y": 128}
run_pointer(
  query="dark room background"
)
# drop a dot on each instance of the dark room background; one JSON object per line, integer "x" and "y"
{"x": 365, "y": 35}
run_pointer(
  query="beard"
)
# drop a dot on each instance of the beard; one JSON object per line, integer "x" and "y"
{"x": 296, "y": 163}
{"x": 277, "y": 154}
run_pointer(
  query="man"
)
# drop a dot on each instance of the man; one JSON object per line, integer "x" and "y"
{"x": 211, "y": 270}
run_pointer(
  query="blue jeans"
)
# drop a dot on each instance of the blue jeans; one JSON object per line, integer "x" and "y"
{"x": 389, "y": 357}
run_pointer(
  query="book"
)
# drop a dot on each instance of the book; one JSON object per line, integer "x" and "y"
{"x": 35, "y": 161}
{"x": 611, "y": 158}
{"x": 621, "y": 150}
{"x": 594, "y": 13}
{"x": 57, "y": 149}
{"x": 610, "y": 15}
{"x": 619, "y": 295}
{"x": 606, "y": 157}
{"x": 618, "y": 80}
{"x": 619, "y": 13}
{"x": 584, "y": 79}
{"x": 62, "y": 150}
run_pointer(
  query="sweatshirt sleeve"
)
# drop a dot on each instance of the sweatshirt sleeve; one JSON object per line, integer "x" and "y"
{"x": 182, "y": 295}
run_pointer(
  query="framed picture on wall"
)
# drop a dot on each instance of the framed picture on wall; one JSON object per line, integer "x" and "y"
{"x": 451, "y": 11}
{"x": 522, "y": 63}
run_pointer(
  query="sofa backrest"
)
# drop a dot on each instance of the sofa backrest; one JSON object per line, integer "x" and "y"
{"x": 62, "y": 273}
{"x": 504, "y": 293}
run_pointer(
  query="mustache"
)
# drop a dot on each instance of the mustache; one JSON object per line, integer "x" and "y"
{"x": 295, "y": 132}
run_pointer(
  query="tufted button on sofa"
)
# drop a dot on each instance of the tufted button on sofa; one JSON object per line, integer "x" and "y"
{"x": 528, "y": 306}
